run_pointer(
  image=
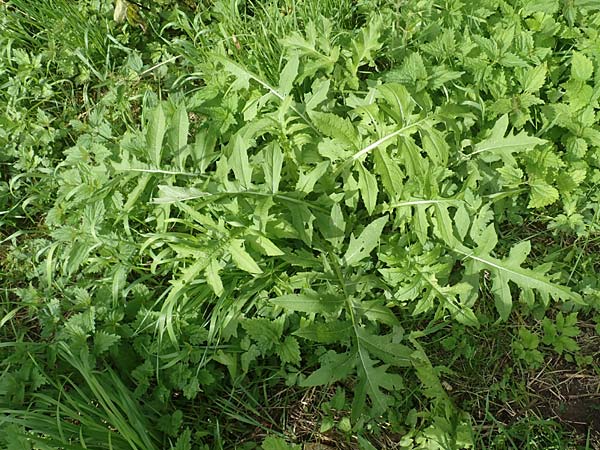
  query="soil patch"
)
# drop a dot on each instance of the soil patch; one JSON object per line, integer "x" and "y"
{"x": 574, "y": 399}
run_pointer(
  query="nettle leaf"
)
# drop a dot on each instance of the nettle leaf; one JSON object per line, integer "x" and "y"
{"x": 542, "y": 194}
{"x": 549, "y": 7}
{"x": 361, "y": 247}
{"x": 411, "y": 71}
{"x": 367, "y": 184}
{"x": 440, "y": 75}
{"x": 509, "y": 269}
{"x": 581, "y": 67}
{"x": 534, "y": 78}
{"x": 103, "y": 341}
{"x": 497, "y": 146}
{"x": 289, "y": 351}
{"x": 265, "y": 332}
{"x": 310, "y": 302}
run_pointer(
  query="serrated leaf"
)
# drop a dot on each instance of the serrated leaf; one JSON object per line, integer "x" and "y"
{"x": 367, "y": 42}
{"x": 319, "y": 91}
{"x": 184, "y": 440}
{"x": 589, "y": 5}
{"x": 399, "y": 100}
{"x": 376, "y": 311}
{"x": 364, "y": 444}
{"x": 103, "y": 341}
{"x": 535, "y": 78}
{"x": 242, "y": 258}
{"x": 441, "y": 75}
{"x": 360, "y": 247}
{"x": 120, "y": 12}
{"x": 336, "y": 127}
{"x": 549, "y": 7}
{"x": 512, "y": 60}
{"x": 367, "y": 184}
{"x": 384, "y": 348}
{"x": 155, "y": 133}
{"x": 310, "y": 302}
{"x": 289, "y": 351}
{"x": 542, "y": 194}
{"x": 581, "y": 67}
{"x": 264, "y": 332}
{"x": 427, "y": 374}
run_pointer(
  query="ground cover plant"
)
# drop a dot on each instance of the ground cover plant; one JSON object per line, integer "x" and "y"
{"x": 300, "y": 224}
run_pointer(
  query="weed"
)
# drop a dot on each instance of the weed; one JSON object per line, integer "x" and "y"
{"x": 254, "y": 224}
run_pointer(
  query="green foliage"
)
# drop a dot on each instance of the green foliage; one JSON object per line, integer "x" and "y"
{"x": 526, "y": 348}
{"x": 207, "y": 206}
{"x": 560, "y": 333}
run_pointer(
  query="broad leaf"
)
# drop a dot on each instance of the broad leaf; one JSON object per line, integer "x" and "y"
{"x": 509, "y": 269}
{"x": 367, "y": 184}
{"x": 360, "y": 247}
{"x": 155, "y": 133}
{"x": 334, "y": 367}
{"x": 325, "y": 332}
{"x": 272, "y": 164}
{"x": 310, "y": 302}
{"x": 497, "y": 146}
{"x": 242, "y": 258}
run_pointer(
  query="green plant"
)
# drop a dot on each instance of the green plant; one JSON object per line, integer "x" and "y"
{"x": 238, "y": 203}
{"x": 526, "y": 348}
{"x": 559, "y": 333}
